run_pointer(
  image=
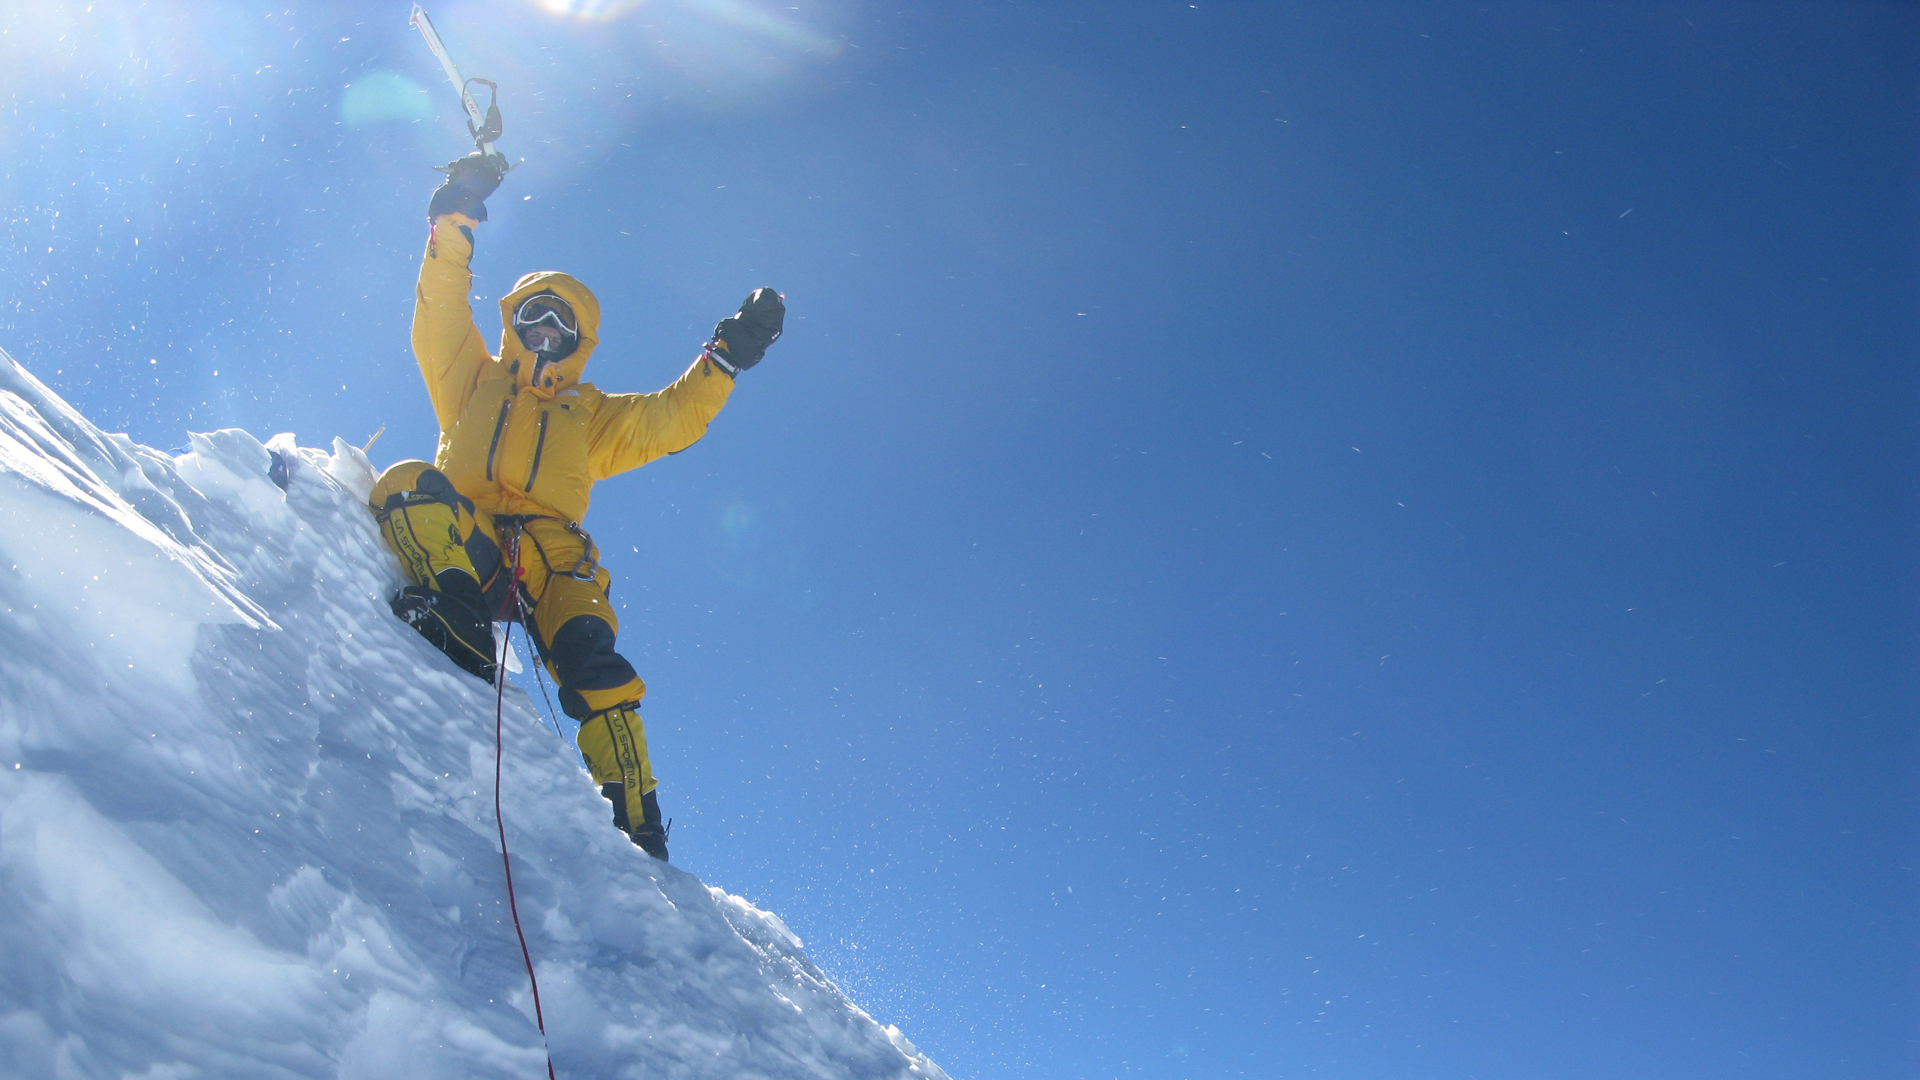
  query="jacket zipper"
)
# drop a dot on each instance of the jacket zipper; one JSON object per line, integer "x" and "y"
{"x": 498, "y": 426}
{"x": 538, "y": 446}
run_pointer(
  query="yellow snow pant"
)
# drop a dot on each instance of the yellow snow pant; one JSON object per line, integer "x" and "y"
{"x": 574, "y": 626}
{"x": 431, "y": 527}
{"x": 564, "y": 604}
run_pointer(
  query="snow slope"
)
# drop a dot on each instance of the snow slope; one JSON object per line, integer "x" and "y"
{"x": 246, "y": 818}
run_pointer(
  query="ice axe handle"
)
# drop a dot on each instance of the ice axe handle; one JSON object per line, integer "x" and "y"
{"x": 484, "y": 129}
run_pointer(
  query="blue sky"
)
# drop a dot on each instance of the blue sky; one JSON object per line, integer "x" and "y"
{"x": 1321, "y": 540}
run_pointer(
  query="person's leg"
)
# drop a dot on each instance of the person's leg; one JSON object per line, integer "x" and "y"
{"x": 444, "y": 553}
{"x": 575, "y": 629}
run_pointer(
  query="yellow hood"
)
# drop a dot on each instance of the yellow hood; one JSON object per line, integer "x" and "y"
{"x": 520, "y": 359}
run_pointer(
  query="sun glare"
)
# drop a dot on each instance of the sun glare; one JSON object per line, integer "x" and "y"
{"x": 589, "y": 10}
{"x": 753, "y": 18}
{"x": 733, "y": 14}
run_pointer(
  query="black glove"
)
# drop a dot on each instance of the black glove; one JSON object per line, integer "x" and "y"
{"x": 741, "y": 339}
{"x": 469, "y": 181}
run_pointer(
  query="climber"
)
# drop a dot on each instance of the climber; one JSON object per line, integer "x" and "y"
{"x": 495, "y": 521}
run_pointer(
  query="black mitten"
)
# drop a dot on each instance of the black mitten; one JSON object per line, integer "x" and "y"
{"x": 469, "y": 181}
{"x": 741, "y": 339}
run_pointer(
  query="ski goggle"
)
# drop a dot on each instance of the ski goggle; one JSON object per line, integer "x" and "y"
{"x": 545, "y": 309}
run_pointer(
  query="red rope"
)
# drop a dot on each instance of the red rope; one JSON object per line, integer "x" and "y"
{"x": 499, "y": 709}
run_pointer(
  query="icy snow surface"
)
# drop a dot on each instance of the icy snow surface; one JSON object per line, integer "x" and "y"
{"x": 246, "y": 818}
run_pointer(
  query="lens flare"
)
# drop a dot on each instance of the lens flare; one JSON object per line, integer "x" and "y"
{"x": 740, "y": 522}
{"x": 383, "y": 95}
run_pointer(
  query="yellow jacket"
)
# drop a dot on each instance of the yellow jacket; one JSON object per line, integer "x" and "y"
{"x": 516, "y": 448}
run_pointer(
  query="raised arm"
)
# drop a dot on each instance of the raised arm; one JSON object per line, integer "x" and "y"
{"x": 446, "y": 342}
{"x": 630, "y": 430}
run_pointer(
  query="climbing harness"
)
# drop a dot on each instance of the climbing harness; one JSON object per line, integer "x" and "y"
{"x": 584, "y": 568}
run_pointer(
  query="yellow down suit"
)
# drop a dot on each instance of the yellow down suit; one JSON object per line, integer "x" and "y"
{"x": 523, "y": 459}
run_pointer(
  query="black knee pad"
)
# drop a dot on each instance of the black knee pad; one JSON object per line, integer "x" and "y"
{"x": 583, "y": 659}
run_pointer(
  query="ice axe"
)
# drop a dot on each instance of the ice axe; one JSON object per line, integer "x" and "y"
{"x": 484, "y": 128}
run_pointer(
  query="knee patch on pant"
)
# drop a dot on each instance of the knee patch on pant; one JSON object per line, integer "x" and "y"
{"x": 592, "y": 676}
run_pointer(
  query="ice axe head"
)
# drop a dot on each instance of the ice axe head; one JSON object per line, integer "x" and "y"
{"x": 489, "y": 131}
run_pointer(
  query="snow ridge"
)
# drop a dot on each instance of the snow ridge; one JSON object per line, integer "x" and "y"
{"x": 246, "y": 823}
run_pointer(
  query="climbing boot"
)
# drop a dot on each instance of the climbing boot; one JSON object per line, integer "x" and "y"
{"x": 614, "y": 742}
{"x": 649, "y": 833}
